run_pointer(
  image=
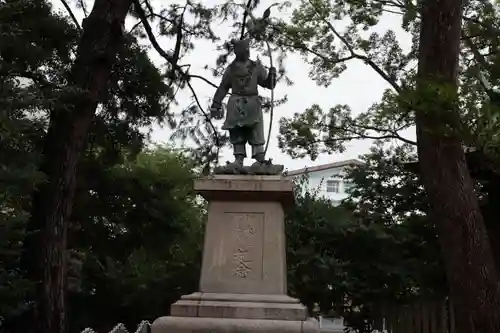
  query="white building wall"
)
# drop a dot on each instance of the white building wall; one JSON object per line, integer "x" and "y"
{"x": 318, "y": 182}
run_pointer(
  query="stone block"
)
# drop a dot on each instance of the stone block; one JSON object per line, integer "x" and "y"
{"x": 279, "y": 307}
{"x": 243, "y": 280}
{"x": 228, "y": 325}
{"x": 244, "y": 248}
{"x": 246, "y": 188}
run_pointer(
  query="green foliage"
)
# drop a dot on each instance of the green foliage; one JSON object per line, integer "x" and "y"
{"x": 387, "y": 193}
{"x": 140, "y": 226}
{"x": 33, "y": 43}
{"x": 318, "y": 131}
{"x": 18, "y": 175}
{"x": 314, "y": 228}
{"x": 315, "y": 31}
{"x": 36, "y": 53}
{"x": 376, "y": 248}
{"x": 135, "y": 216}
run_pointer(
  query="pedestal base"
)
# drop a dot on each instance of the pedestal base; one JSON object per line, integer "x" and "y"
{"x": 248, "y": 306}
{"x": 236, "y": 313}
{"x": 224, "y": 325}
{"x": 243, "y": 280}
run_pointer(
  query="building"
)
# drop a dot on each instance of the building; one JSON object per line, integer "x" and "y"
{"x": 327, "y": 179}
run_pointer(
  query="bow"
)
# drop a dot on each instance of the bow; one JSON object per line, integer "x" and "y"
{"x": 256, "y": 23}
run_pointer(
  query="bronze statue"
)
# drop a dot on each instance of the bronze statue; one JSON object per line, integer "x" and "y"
{"x": 244, "y": 119}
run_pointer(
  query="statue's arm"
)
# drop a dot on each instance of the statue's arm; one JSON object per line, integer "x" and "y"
{"x": 223, "y": 89}
{"x": 265, "y": 79}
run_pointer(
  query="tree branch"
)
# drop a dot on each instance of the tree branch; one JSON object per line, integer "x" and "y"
{"x": 173, "y": 62}
{"x": 491, "y": 30}
{"x": 178, "y": 42}
{"x": 392, "y": 12}
{"x": 391, "y": 133}
{"x": 245, "y": 14}
{"x": 161, "y": 17}
{"x": 323, "y": 57}
{"x": 353, "y": 53}
{"x": 152, "y": 38}
{"x": 71, "y": 14}
{"x": 475, "y": 51}
{"x": 194, "y": 76}
{"x": 84, "y": 7}
{"x": 373, "y": 137}
{"x": 364, "y": 137}
{"x": 170, "y": 59}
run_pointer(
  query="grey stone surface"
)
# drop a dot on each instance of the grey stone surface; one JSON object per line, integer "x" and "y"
{"x": 250, "y": 306}
{"x": 228, "y": 325}
{"x": 249, "y": 188}
{"x": 261, "y": 298}
{"x": 232, "y": 309}
{"x": 244, "y": 248}
{"x": 262, "y": 168}
{"x": 243, "y": 279}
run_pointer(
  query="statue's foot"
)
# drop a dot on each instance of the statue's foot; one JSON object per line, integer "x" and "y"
{"x": 259, "y": 164}
{"x": 231, "y": 168}
{"x": 266, "y": 167}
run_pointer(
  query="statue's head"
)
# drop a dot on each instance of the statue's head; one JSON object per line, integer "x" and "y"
{"x": 241, "y": 48}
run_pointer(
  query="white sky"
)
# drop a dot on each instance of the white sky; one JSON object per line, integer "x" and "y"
{"x": 359, "y": 86}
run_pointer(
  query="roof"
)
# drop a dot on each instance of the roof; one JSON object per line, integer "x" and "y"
{"x": 322, "y": 167}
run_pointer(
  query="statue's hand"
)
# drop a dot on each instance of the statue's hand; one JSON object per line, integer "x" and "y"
{"x": 216, "y": 112}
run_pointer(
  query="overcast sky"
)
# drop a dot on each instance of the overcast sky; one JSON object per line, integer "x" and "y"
{"x": 359, "y": 86}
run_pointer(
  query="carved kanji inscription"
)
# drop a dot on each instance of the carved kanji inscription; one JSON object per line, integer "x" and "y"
{"x": 247, "y": 245}
{"x": 243, "y": 266}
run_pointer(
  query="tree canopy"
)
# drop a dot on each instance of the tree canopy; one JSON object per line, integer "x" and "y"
{"x": 315, "y": 32}
{"x": 377, "y": 248}
{"x": 80, "y": 97}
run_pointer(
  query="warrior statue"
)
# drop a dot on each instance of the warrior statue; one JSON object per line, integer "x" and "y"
{"x": 244, "y": 118}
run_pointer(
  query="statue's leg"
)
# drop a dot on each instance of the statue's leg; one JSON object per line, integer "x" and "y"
{"x": 257, "y": 141}
{"x": 237, "y": 137}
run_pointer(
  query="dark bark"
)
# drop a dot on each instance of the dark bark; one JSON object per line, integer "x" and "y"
{"x": 483, "y": 169}
{"x": 44, "y": 257}
{"x": 472, "y": 276}
{"x": 491, "y": 214}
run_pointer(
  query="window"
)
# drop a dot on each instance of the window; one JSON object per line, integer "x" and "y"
{"x": 332, "y": 186}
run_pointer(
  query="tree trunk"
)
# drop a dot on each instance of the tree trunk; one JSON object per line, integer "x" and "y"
{"x": 473, "y": 279}
{"x": 44, "y": 257}
{"x": 491, "y": 212}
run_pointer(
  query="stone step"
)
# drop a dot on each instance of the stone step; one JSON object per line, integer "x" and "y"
{"x": 223, "y": 325}
{"x": 237, "y": 309}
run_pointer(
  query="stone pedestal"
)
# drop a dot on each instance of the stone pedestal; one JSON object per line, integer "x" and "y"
{"x": 243, "y": 279}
